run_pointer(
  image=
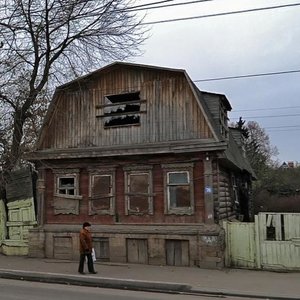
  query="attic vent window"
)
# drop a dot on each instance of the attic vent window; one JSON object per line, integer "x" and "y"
{"x": 122, "y": 109}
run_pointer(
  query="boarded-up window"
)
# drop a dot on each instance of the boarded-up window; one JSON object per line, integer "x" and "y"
{"x": 66, "y": 191}
{"x": 102, "y": 193}
{"x": 178, "y": 188}
{"x": 139, "y": 192}
{"x": 62, "y": 247}
{"x": 122, "y": 109}
{"x": 177, "y": 253}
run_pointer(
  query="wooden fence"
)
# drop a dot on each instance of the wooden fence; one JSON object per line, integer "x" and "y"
{"x": 272, "y": 242}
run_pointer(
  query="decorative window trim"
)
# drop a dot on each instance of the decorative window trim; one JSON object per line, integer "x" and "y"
{"x": 134, "y": 170}
{"x": 97, "y": 173}
{"x": 174, "y": 168}
{"x": 66, "y": 173}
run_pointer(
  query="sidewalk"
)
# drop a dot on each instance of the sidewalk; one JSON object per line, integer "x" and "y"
{"x": 234, "y": 282}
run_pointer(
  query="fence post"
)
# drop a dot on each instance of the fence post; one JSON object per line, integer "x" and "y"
{"x": 257, "y": 242}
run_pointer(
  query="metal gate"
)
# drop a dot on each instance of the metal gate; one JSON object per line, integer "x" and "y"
{"x": 271, "y": 242}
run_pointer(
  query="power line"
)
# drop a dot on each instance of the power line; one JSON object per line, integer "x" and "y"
{"x": 151, "y": 3}
{"x": 222, "y": 14}
{"x": 146, "y": 6}
{"x": 288, "y": 130}
{"x": 288, "y": 126}
{"x": 249, "y": 75}
{"x": 274, "y": 116}
{"x": 272, "y": 108}
{"x": 136, "y": 8}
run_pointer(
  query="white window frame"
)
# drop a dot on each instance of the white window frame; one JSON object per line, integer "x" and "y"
{"x": 178, "y": 168}
{"x": 66, "y": 173}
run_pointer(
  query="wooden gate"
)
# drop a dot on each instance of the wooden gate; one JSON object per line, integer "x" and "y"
{"x": 271, "y": 242}
{"x": 241, "y": 245}
{"x": 279, "y": 240}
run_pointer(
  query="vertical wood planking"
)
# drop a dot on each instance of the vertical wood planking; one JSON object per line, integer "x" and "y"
{"x": 172, "y": 112}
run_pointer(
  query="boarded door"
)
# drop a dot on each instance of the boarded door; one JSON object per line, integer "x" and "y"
{"x": 137, "y": 251}
{"x": 177, "y": 253}
{"x": 62, "y": 247}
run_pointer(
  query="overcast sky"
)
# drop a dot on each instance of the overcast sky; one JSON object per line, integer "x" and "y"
{"x": 255, "y": 42}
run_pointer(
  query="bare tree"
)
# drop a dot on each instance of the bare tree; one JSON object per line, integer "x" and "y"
{"x": 43, "y": 42}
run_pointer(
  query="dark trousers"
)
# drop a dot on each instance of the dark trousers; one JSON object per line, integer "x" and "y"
{"x": 90, "y": 263}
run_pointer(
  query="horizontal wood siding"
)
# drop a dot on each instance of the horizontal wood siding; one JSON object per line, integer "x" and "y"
{"x": 172, "y": 112}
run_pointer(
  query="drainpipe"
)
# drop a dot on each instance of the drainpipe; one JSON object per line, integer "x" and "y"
{"x": 208, "y": 190}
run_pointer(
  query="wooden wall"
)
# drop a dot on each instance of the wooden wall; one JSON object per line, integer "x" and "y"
{"x": 172, "y": 112}
{"x": 223, "y": 195}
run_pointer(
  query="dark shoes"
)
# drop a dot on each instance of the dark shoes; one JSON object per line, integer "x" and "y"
{"x": 82, "y": 273}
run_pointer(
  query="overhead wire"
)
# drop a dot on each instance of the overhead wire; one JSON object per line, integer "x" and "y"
{"x": 136, "y": 8}
{"x": 248, "y": 75}
{"x": 221, "y": 14}
{"x": 268, "y": 116}
{"x": 158, "y": 5}
{"x": 269, "y": 108}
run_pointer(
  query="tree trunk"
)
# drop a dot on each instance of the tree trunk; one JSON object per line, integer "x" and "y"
{"x": 15, "y": 152}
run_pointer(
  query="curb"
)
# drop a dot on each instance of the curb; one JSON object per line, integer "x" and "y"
{"x": 248, "y": 295}
{"x": 130, "y": 284}
{"x": 92, "y": 281}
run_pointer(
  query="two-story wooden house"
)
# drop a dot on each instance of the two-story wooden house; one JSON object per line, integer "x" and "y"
{"x": 145, "y": 157}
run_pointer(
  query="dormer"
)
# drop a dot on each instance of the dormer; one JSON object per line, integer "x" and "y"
{"x": 219, "y": 107}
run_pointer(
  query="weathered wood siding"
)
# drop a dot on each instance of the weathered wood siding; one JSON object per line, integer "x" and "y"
{"x": 137, "y": 251}
{"x": 272, "y": 242}
{"x": 241, "y": 249}
{"x": 172, "y": 112}
{"x": 3, "y": 219}
{"x": 223, "y": 198}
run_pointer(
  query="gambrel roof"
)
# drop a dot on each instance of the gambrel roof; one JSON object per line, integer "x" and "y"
{"x": 176, "y": 115}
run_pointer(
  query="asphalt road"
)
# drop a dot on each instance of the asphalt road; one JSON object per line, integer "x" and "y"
{"x": 25, "y": 290}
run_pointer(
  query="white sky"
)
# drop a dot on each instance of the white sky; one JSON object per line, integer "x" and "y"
{"x": 231, "y": 45}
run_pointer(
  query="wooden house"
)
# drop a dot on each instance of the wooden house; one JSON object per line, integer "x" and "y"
{"x": 145, "y": 157}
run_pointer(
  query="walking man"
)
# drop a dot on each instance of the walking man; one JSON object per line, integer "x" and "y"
{"x": 86, "y": 247}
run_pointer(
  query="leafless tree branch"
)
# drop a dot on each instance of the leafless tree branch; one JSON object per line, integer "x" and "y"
{"x": 43, "y": 42}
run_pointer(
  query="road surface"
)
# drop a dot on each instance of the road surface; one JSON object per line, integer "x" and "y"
{"x": 26, "y": 290}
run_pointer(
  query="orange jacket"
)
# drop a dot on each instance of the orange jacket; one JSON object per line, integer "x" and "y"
{"x": 86, "y": 241}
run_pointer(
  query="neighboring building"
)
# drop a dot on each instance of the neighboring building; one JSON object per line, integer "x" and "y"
{"x": 147, "y": 158}
{"x": 290, "y": 165}
{"x": 17, "y": 214}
